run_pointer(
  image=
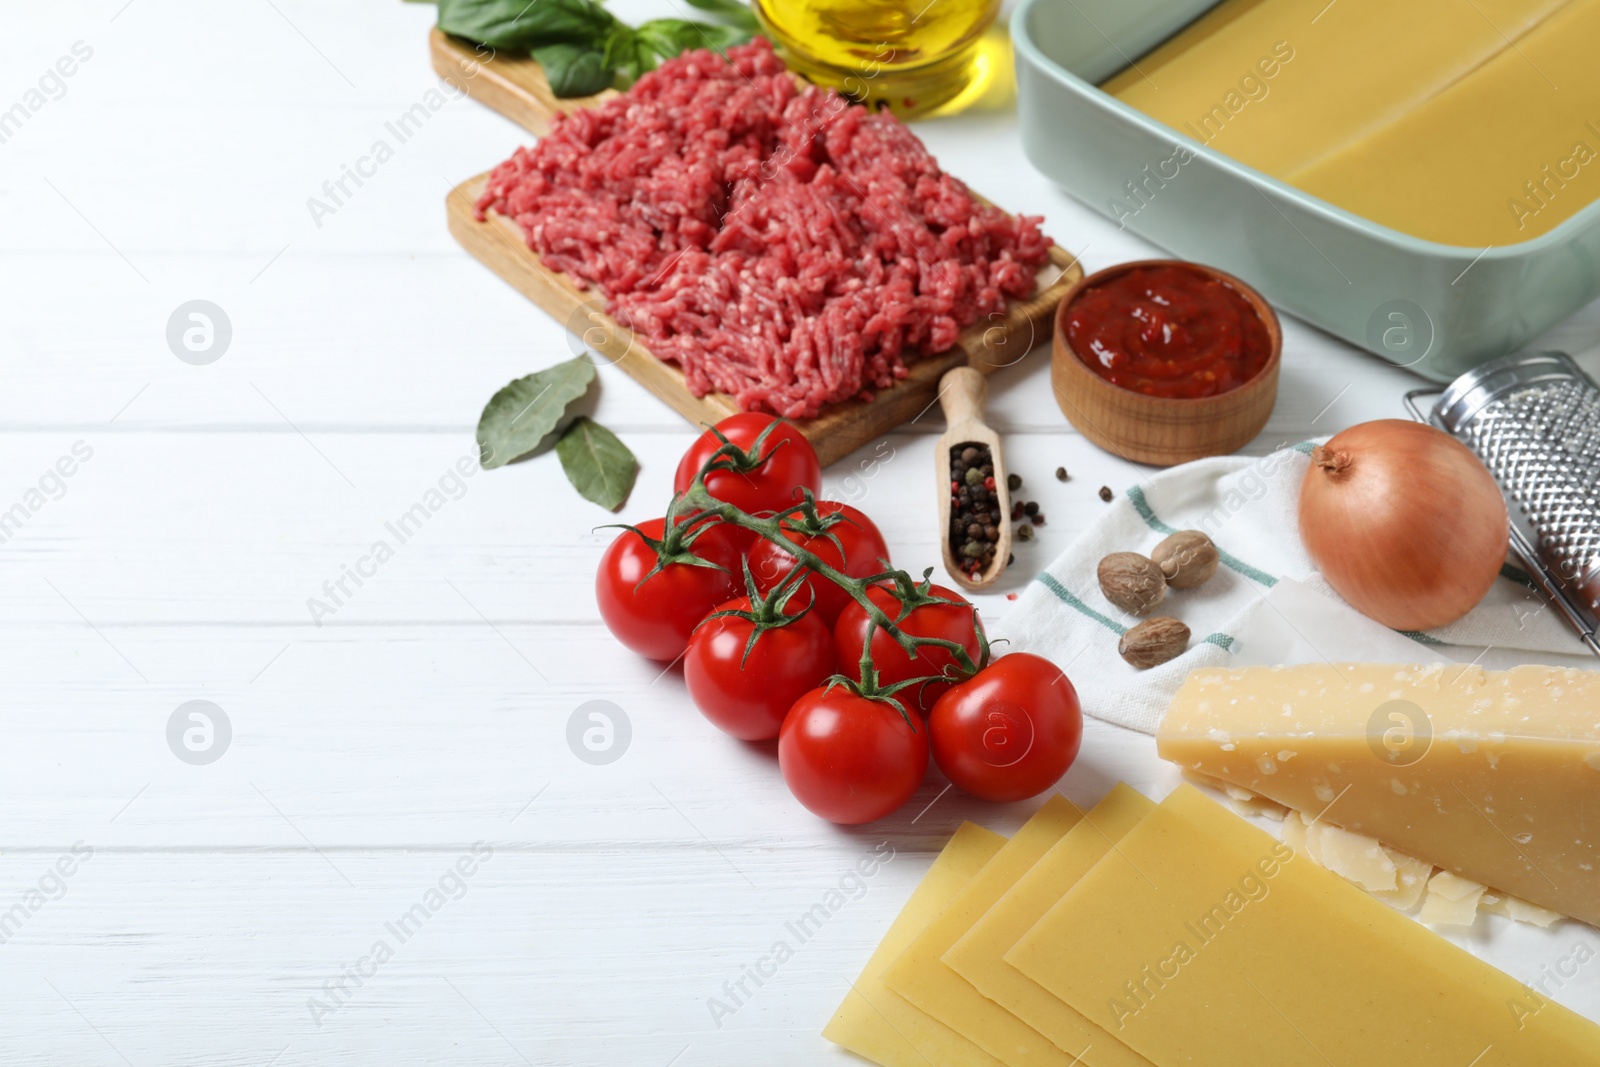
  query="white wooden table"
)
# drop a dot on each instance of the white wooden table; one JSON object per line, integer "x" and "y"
{"x": 231, "y": 912}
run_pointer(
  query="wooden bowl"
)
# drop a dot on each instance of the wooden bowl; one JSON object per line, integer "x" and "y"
{"x": 1161, "y": 430}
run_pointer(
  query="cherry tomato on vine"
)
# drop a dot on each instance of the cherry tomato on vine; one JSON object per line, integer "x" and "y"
{"x": 748, "y": 694}
{"x": 850, "y": 759}
{"x": 956, "y": 621}
{"x": 654, "y": 616}
{"x": 786, "y": 462}
{"x": 864, "y": 554}
{"x": 1010, "y": 731}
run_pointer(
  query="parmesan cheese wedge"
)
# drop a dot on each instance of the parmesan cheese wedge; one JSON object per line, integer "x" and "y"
{"x": 1493, "y": 776}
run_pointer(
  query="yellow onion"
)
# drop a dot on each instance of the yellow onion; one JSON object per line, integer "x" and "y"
{"x": 1404, "y": 522}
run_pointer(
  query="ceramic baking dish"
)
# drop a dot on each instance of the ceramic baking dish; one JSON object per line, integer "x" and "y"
{"x": 1438, "y": 309}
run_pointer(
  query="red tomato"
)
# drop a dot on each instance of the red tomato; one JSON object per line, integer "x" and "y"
{"x": 656, "y": 618}
{"x": 956, "y": 622}
{"x": 771, "y": 485}
{"x": 865, "y": 554}
{"x": 849, "y": 759}
{"x": 748, "y": 696}
{"x": 1010, "y": 731}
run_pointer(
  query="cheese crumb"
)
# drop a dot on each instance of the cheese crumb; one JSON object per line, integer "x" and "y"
{"x": 1355, "y": 857}
{"x": 1519, "y": 910}
{"x": 1452, "y": 900}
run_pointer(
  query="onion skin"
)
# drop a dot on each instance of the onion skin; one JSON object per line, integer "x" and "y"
{"x": 1404, "y": 522}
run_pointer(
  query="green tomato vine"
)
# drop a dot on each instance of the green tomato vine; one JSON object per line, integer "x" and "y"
{"x": 696, "y": 510}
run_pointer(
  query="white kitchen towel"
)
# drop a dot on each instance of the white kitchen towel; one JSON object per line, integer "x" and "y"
{"x": 1247, "y": 505}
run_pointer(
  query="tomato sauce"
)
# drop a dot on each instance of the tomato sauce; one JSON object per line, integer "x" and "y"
{"x": 1168, "y": 331}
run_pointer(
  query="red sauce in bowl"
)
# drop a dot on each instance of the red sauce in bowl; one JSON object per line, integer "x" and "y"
{"x": 1168, "y": 331}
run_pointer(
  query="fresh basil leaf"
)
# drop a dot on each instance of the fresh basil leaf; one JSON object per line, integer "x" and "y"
{"x": 628, "y": 53}
{"x": 732, "y": 12}
{"x": 523, "y": 25}
{"x": 668, "y": 37}
{"x": 530, "y": 413}
{"x": 574, "y": 70}
{"x": 597, "y": 464}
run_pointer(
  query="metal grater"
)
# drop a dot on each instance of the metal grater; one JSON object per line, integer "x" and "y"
{"x": 1534, "y": 420}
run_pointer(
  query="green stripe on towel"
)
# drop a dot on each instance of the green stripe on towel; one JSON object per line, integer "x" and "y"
{"x": 1514, "y": 574}
{"x": 1146, "y": 512}
{"x": 1050, "y": 583}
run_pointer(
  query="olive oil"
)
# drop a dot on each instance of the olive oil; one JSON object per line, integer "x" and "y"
{"x": 911, "y": 56}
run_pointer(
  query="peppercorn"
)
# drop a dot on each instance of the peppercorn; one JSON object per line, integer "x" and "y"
{"x": 1061, "y": 474}
{"x": 1024, "y": 532}
{"x": 1106, "y": 494}
{"x": 1013, "y": 482}
{"x": 974, "y": 512}
{"x": 1031, "y": 508}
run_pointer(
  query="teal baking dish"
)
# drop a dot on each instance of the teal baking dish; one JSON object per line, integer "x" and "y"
{"x": 1438, "y": 309}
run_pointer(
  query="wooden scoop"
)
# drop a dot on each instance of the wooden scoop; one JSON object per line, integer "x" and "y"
{"x": 962, "y": 393}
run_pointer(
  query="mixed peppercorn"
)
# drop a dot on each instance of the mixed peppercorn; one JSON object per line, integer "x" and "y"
{"x": 975, "y": 513}
{"x": 974, "y": 508}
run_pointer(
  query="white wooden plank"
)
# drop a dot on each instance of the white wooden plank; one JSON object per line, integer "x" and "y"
{"x": 243, "y": 527}
{"x": 415, "y": 736}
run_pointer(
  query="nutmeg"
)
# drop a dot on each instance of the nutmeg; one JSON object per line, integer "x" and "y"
{"x": 1187, "y": 559}
{"x": 1132, "y": 582}
{"x": 1154, "y": 641}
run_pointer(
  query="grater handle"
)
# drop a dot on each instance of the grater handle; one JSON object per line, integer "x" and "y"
{"x": 1411, "y": 402}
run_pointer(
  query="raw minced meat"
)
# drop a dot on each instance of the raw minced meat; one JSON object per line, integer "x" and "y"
{"x": 777, "y": 242}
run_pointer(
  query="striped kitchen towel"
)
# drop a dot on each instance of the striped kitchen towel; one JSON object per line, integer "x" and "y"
{"x": 1247, "y": 505}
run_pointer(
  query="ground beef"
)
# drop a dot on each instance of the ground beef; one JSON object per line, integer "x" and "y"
{"x": 777, "y": 242}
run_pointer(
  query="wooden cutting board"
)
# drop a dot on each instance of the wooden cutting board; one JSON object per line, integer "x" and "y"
{"x": 517, "y": 88}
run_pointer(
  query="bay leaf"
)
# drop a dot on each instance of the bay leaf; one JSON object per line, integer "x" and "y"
{"x": 597, "y": 463}
{"x": 528, "y": 414}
